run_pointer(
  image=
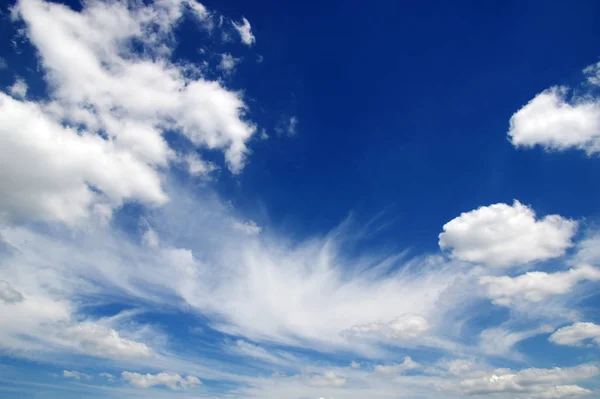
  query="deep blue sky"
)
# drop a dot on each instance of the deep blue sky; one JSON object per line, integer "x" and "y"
{"x": 405, "y": 106}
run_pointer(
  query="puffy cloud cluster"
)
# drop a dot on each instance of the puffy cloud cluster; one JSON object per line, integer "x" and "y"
{"x": 171, "y": 380}
{"x": 405, "y": 327}
{"x": 502, "y": 235}
{"x": 535, "y": 286}
{"x": 98, "y": 140}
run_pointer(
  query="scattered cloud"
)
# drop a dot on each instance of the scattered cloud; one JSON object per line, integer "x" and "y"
{"x": 502, "y": 235}
{"x": 554, "y": 121}
{"x": 535, "y": 381}
{"x": 108, "y": 376}
{"x": 245, "y": 32}
{"x": 18, "y": 89}
{"x": 111, "y": 104}
{"x": 171, "y": 380}
{"x": 535, "y": 286}
{"x": 395, "y": 369}
{"x": 76, "y": 375}
{"x": 228, "y": 63}
{"x": 100, "y": 341}
{"x": 328, "y": 379}
{"x": 287, "y": 127}
{"x": 577, "y": 334}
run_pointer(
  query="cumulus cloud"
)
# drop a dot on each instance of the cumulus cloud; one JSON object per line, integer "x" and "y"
{"x": 577, "y": 334}
{"x": 395, "y": 369}
{"x": 328, "y": 379}
{"x": 76, "y": 375}
{"x": 245, "y": 32}
{"x": 8, "y": 294}
{"x": 98, "y": 140}
{"x": 553, "y": 122}
{"x": 535, "y": 286}
{"x": 171, "y": 380}
{"x": 502, "y": 235}
{"x": 18, "y": 89}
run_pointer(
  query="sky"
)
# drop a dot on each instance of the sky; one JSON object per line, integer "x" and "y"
{"x": 299, "y": 200}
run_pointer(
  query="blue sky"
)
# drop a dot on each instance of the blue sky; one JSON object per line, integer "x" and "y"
{"x": 293, "y": 200}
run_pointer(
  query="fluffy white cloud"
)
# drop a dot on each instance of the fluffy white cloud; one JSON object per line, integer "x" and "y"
{"x": 328, "y": 379}
{"x": 97, "y": 340}
{"x": 98, "y": 140}
{"x": 8, "y": 294}
{"x": 171, "y": 380}
{"x": 577, "y": 334}
{"x": 49, "y": 171}
{"x": 18, "y": 89}
{"x": 555, "y": 123}
{"x": 535, "y": 286}
{"x": 502, "y": 235}
{"x": 405, "y": 327}
{"x": 395, "y": 369}
{"x": 76, "y": 375}
{"x": 245, "y": 31}
{"x": 533, "y": 380}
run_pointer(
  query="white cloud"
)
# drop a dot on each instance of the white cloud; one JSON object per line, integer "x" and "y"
{"x": 555, "y": 123}
{"x": 328, "y": 379}
{"x": 406, "y": 365}
{"x": 47, "y": 169}
{"x": 535, "y": 286}
{"x": 197, "y": 166}
{"x": 459, "y": 366}
{"x": 245, "y": 32}
{"x": 18, "y": 89}
{"x": 533, "y": 380}
{"x": 76, "y": 375}
{"x": 354, "y": 365}
{"x": 228, "y": 63}
{"x": 405, "y": 327}
{"x": 563, "y": 391}
{"x": 501, "y": 235}
{"x": 8, "y": 294}
{"x": 577, "y": 334}
{"x": 171, "y": 380}
{"x": 98, "y": 340}
{"x": 499, "y": 341}
{"x": 98, "y": 139}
